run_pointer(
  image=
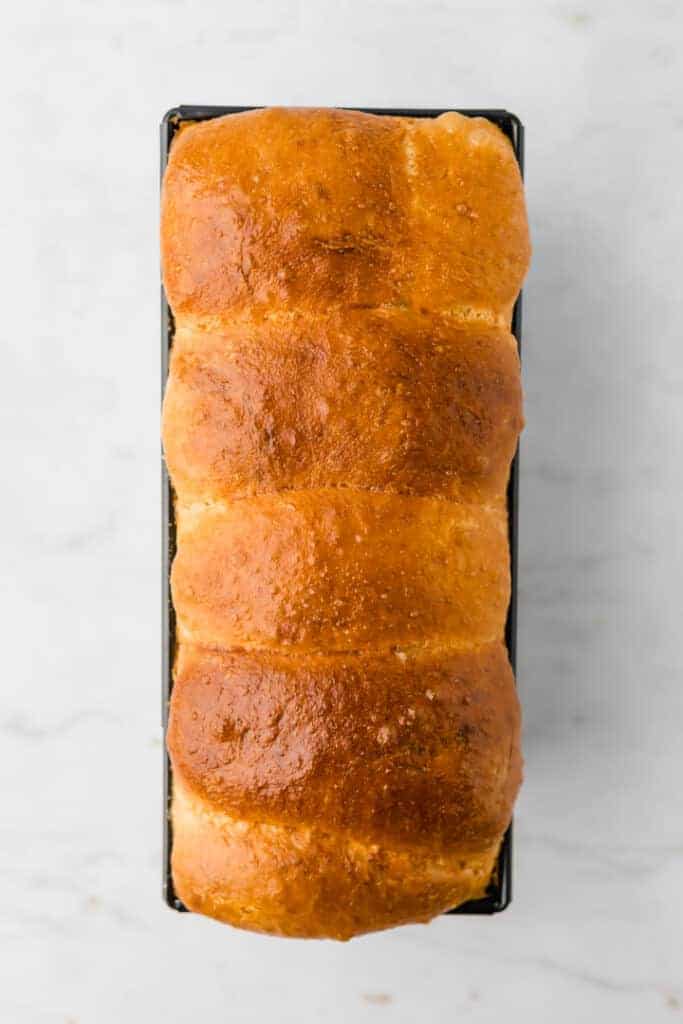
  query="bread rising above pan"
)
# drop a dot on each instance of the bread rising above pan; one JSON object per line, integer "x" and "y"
{"x": 341, "y": 413}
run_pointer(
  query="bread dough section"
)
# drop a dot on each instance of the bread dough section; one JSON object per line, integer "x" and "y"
{"x": 283, "y": 209}
{"x": 340, "y": 570}
{"x": 410, "y": 746}
{"x": 396, "y": 402}
{"x": 307, "y": 882}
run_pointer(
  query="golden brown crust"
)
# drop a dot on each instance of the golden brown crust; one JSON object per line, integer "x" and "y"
{"x": 306, "y": 882}
{"x": 279, "y": 209}
{"x": 416, "y": 747}
{"x": 401, "y": 402}
{"x": 342, "y": 409}
{"x": 340, "y": 570}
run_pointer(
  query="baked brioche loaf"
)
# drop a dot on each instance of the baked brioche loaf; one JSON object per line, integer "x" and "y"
{"x": 342, "y": 409}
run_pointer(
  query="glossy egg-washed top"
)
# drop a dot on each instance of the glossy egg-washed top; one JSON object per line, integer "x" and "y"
{"x": 342, "y": 409}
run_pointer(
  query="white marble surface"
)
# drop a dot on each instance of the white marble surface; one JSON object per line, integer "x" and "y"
{"x": 596, "y": 929}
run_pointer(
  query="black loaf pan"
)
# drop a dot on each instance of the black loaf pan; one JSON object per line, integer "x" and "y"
{"x": 499, "y": 895}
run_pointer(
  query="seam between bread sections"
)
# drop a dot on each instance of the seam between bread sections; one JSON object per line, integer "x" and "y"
{"x": 403, "y": 652}
{"x": 186, "y": 794}
{"x": 462, "y": 316}
{"x": 197, "y": 506}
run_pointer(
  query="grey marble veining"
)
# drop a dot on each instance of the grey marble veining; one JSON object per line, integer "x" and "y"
{"x": 596, "y": 929}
